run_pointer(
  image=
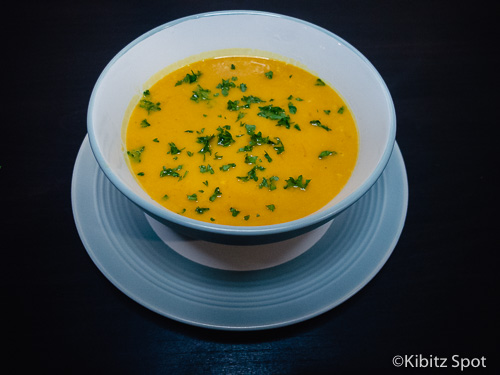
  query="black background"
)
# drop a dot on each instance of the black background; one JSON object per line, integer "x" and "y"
{"x": 437, "y": 295}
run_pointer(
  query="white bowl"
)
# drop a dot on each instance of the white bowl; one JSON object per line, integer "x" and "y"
{"x": 318, "y": 50}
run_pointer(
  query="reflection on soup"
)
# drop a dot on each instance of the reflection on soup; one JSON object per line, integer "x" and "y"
{"x": 241, "y": 140}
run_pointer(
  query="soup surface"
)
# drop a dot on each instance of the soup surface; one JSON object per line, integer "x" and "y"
{"x": 241, "y": 140}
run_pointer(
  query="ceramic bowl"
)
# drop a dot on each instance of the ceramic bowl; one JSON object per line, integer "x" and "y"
{"x": 318, "y": 50}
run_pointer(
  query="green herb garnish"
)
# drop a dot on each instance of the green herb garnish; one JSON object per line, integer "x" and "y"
{"x": 319, "y": 82}
{"x": 200, "y": 94}
{"x": 135, "y": 155}
{"x": 319, "y": 125}
{"x": 215, "y": 195}
{"x": 201, "y": 210}
{"x": 278, "y": 145}
{"x": 173, "y": 149}
{"x": 225, "y": 138}
{"x": 249, "y": 159}
{"x": 275, "y": 113}
{"x": 172, "y": 172}
{"x": 189, "y": 78}
{"x": 324, "y": 154}
{"x": 226, "y": 167}
{"x": 206, "y": 169}
{"x": 269, "y": 183}
{"x": 149, "y": 106}
{"x": 226, "y": 85}
{"x": 252, "y": 174}
{"x": 297, "y": 183}
{"x": 233, "y": 105}
{"x": 205, "y": 141}
{"x": 234, "y": 211}
{"x": 251, "y": 99}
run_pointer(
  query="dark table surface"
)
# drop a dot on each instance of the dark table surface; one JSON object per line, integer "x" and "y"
{"x": 435, "y": 297}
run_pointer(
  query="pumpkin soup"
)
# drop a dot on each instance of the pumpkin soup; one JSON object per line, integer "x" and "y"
{"x": 241, "y": 140}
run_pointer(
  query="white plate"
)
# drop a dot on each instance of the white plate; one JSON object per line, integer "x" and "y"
{"x": 342, "y": 258}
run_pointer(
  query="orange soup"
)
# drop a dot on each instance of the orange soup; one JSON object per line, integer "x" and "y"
{"x": 241, "y": 140}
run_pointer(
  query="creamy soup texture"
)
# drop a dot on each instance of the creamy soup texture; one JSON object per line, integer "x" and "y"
{"x": 241, "y": 140}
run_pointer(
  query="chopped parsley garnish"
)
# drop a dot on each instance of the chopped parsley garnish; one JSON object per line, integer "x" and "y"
{"x": 173, "y": 149}
{"x": 233, "y": 105}
{"x": 225, "y": 138}
{"x": 269, "y": 74}
{"x": 149, "y": 106}
{"x": 234, "y": 211}
{"x": 233, "y": 67}
{"x": 256, "y": 139}
{"x": 226, "y": 85}
{"x": 271, "y": 207}
{"x": 252, "y": 174}
{"x": 205, "y": 141}
{"x": 319, "y": 125}
{"x": 324, "y": 154}
{"x": 189, "y": 78}
{"x": 215, "y": 195}
{"x": 200, "y": 94}
{"x": 297, "y": 183}
{"x": 249, "y": 159}
{"x": 206, "y": 169}
{"x": 140, "y": 174}
{"x": 172, "y": 172}
{"x": 135, "y": 155}
{"x": 243, "y": 87}
{"x": 319, "y": 82}
{"x": 278, "y": 146}
{"x": 251, "y": 99}
{"x": 145, "y": 123}
{"x": 269, "y": 183}
{"x": 266, "y": 155}
{"x": 193, "y": 197}
{"x": 292, "y": 108}
{"x": 250, "y": 129}
{"x": 156, "y": 140}
{"x": 341, "y": 110}
{"x": 275, "y": 113}
{"x": 201, "y": 210}
{"x": 226, "y": 167}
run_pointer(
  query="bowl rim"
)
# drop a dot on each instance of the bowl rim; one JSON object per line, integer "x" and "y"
{"x": 311, "y": 220}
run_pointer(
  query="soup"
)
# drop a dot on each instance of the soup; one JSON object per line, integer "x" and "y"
{"x": 241, "y": 140}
